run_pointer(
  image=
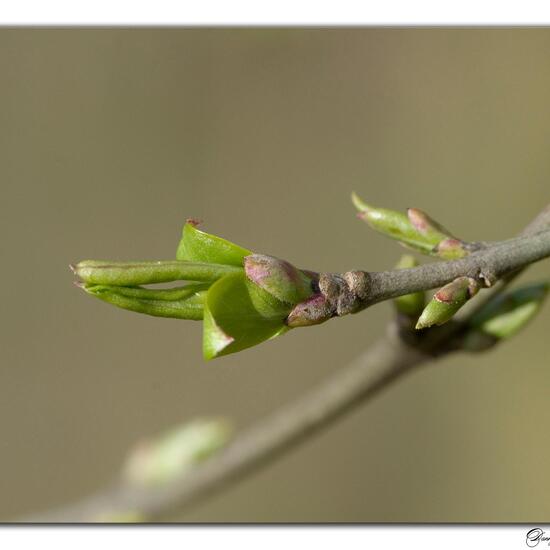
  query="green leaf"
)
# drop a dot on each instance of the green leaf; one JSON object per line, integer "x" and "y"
{"x": 198, "y": 246}
{"x": 239, "y": 315}
{"x": 178, "y": 303}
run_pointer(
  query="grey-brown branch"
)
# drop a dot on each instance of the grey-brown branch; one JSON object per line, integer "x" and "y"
{"x": 294, "y": 423}
{"x": 354, "y": 291}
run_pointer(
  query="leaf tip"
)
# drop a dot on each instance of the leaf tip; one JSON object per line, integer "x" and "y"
{"x": 359, "y": 203}
{"x": 421, "y": 325}
{"x": 215, "y": 345}
{"x": 195, "y": 222}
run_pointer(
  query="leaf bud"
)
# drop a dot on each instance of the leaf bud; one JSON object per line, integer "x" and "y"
{"x": 313, "y": 311}
{"x": 185, "y": 302}
{"x": 278, "y": 277}
{"x": 447, "y": 301}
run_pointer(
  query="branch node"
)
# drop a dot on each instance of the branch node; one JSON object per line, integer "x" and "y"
{"x": 344, "y": 293}
{"x": 487, "y": 276}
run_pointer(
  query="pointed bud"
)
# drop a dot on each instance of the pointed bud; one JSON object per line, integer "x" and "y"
{"x": 171, "y": 455}
{"x": 508, "y": 313}
{"x": 410, "y": 305}
{"x": 278, "y": 277}
{"x": 447, "y": 301}
{"x": 451, "y": 249}
{"x": 313, "y": 311}
{"x": 397, "y": 226}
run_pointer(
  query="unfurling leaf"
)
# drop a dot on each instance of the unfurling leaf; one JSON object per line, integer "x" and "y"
{"x": 410, "y": 305}
{"x": 239, "y": 315}
{"x": 447, "y": 301}
{"x": 179, "y": 303}
{"x": 243, "y": 298}
{"x": 198, "y": 246}
{"x": 97, "y": 272}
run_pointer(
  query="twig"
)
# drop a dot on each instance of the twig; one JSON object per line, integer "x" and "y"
{"x": 486, "y": 266}
{"x": 538, "y": 224}
{"x": 386, "y": 361}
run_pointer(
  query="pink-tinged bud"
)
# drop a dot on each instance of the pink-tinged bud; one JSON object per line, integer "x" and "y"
{"x": 427, "y": 226}
{"x": 447, "y": 301}
{"x": 451, "y": 249}
{"x": 278, "y": 277}
{"x": 313, "y": 311}
{"x": 458, "y": 291}
{"x": 415, "y": 230}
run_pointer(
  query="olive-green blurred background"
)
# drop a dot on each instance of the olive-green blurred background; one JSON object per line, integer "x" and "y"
{"x": 110, "y": 139}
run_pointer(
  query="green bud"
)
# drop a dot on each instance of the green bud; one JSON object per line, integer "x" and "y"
{"x": 508, "y": 313}
{"x": 278, "y": 277}
{"x": 174, "y": 453}
{"x": 392, "y": 224}
{"x": 410, "y": 305}
{"x": 415, "y": 230}
{"x": 185, "y": 302}
{"x": 447, "y": 301}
